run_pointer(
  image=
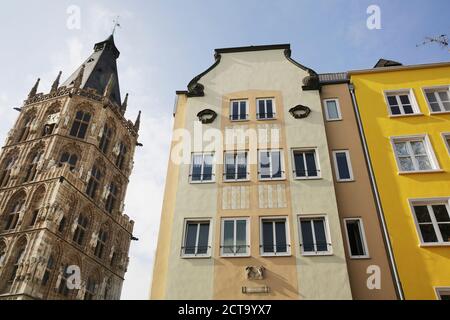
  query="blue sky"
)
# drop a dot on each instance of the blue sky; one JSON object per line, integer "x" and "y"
{"x": 164, "y": 44}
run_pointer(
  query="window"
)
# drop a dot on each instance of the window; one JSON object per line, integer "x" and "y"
{"x": 34, "y": 216}
{"x": 446, "y": 137}
{"x": 414, "y": 154}
{"x": 91, "y": 288}
{"x": 5, "y": 173}
{"x": 438, "y": 99}
{"x": 235, "y": 166}
{"x": 62, "y": 225}
{"x": 202, "y": 168}
{"x": 110, "y": 203}
{"x": 443, "y": 293}
{"x": 314, "y": 236}
{"x": 196, "y": 239}
{"x": 274, "y": 237}
{"x": 235, "y": 237}
{"x": 356, "y": 238}
{"x": 120, "y": 160}
{"x": 270, "y": 165}
{"x": 31, "y": 171}
{"x": 332, "y": 110}
{"x": 238, "y": 110}
{"x": 80, "y": 124}
{"x": 305, "y": 164}
{"x": 266, "y": 109}
{"x": 69, "y": 159}
{"x": 15, "y": 267}
{"x": 401, "y": 103}
{"x": 80, "y": 231}
{"x": 112, "y": 263}
{"x": 48, "y": 270}
{"x": 343, "y": 166}
{"x": 2, "y": 252}
{"x": 101, "y": 243}
{"x": 63, "y": 289}
{"x": 50, "y": 124}
{"x": 105, "y": 139}
{"x": 94, "y": 182}
{"x": 433, "y": 221}
{"x": 25, "y": 131}
{"x": 13, "y": 214}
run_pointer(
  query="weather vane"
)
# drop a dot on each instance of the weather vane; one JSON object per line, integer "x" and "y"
{"x": 116, "y": 24}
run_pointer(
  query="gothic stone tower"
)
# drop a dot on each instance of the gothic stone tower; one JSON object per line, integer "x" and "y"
{"x": 63, "y": 177}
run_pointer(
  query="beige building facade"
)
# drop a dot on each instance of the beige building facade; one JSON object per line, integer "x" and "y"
{"x": 64, "y": 172}
{"x": 367, "y": 253}
{"x": 257, "y": 219}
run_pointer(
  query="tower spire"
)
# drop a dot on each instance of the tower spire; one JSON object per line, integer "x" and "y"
{"x": 34, "y": 89}
{"x": 137, "y": 124}
{"x": 124, "y": 106}
{"x": 79, "y": 79}
{"x": 55, "y": 85}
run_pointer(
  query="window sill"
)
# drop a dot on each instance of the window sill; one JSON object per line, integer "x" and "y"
{"x": 317, "y": 254}
{"x": 236, "y": 181}
{"x": 271, "y": 255}
{"x": 434, "y": 244}
{"x": 420, "y": 171}
{"x": 224, "y": 256}
{"x": 334, "y": 120}
{"x": 240, "y": 120}
{"x": 436, "y": 113}
{"x": 308, "y": 178}
{"x": 269, "y": 119}
{"x": 359, "y": 257}
{"x": 345, "y": 181}
{"x": 201, "y": 182}
{"x": 274, "y": 179}
{"x": 405, "y": 115}
{"x": 196, "y": 257}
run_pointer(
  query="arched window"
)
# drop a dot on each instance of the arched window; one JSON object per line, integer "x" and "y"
{"x": 80, "y": 124}
{"x": 80, "y": 231}
{"x": 91, "y": 287}
{"x": 36, "y": 204}
{"x": 30, "y": 174}
{"x": 48, "y": 270}
{"x": 5, "y": 171}
{"x": 25, "y": 130}
{"x": 111, "y": 200}
{"x": 106, "y": 138}
{"x": 69, "y": 159}
{"x": 2, "y": 252}
{"x": 63, "y": 289}
{"x": 101, "y": 243}
{"x": 62, "y": 224}
{"x": 120, "y": 160}
{"x": 94, "y": 182}
{"x": 13, "y": 212}
{"x": 16, "y": 260}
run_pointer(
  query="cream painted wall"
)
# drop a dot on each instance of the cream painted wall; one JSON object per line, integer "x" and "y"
{"x": 318, "y": 277}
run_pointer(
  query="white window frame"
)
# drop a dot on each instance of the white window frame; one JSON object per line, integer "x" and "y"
{"x": 445, "y": 136}
{"x": 363, "y": 238}
{"x": 316, "y": 158}
{"x": 412, "y": 100}
{"x": 247, "y": 240}
{"x": 338, "y": 107}
{"x": 441, "y": 290}
{"x": 434, "y": 89}
{"x": 429, "y": 202}
{"x": 247, "y": 178}
{"x": 329, "y": 252}
{"x": 288, "y": 237}
{"x": 274, "y": 109}
{"x": 213, "y": 172}
{"x": 349, "y": 164}
{"x": 183, "y": 244}
{"x": 247, "y": 116}
{"x": 428, "y": 148}
{"x": 282, "y": 165}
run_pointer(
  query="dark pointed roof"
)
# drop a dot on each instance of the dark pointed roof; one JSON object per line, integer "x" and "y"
{"x": 98, "y": 69}
{"x": 387, "y": 63}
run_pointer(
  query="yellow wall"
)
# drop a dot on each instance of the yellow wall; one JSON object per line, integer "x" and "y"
{"x": 420, "y": 268}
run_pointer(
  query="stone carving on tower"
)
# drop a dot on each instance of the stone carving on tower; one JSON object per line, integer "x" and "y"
{"x": 64, "y": 172}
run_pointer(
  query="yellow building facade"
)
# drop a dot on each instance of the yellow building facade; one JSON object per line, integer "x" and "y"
{"x": 404, "y": 114}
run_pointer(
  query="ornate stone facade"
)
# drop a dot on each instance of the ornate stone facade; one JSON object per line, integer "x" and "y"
{"x": 64, "y": 172}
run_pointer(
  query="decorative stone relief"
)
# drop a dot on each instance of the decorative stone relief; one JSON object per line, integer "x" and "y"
{"x": 255, "y": 273}
{"x": 272, "y": 196}
{"x": 236, "y": 198}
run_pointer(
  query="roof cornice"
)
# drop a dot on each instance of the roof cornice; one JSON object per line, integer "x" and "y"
{"x": 400, "y": 68}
